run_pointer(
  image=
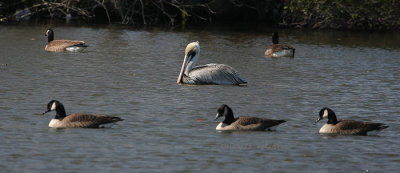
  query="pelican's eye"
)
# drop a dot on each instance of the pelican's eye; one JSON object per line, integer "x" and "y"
{"x": 191, "y": 54}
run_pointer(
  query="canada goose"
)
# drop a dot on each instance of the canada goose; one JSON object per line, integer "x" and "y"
{"x": 219, "y": 74}
{"x": 77, "y": 120}
{"x": 245, "y": 122}
{"x": 62, "y": 45}
{"x": 277, "y": 50}
{"x": 347, "y": 127}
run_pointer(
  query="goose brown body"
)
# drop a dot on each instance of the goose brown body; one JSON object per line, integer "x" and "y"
{"x": 351, "y": 127}
{"x": 273, "y": 49}
{"x": 244, "y": 122}
{"x": 77, "y": 120}
{"x": 347, "y": 127}
{"x": 250, "y": 123}
{"x": 62, "y": 45}
{"x": 279, "y": 50}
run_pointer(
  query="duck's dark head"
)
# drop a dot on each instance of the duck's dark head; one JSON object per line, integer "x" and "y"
{"x": 275, "y": 38}
{"x": 49, "y": 34}
{"x": 57, "y": 106}
{"x": 327, "y": 113}
{"x": 225, "y": 110}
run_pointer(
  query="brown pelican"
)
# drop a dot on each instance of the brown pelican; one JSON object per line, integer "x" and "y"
{"x": 77, "y": 120}
{"x": 219, "y": 74}
{"x": 279, "y": 50}
{"x": 347, "y": 127}
{"x": 62, "y": 45}
{"x": 244, "y": 123}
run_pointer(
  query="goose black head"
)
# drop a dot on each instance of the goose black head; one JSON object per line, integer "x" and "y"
{"x": 327, "y": 113}
{"x": 49, "y": 34}
{"x": 57, "y": 106}
{"x": 225, "y": 110}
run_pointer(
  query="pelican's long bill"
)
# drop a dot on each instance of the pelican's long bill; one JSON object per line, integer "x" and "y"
{"x": 182, "y": 70}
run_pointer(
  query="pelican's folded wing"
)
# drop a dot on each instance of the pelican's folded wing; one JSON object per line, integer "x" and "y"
{"x": 216, "y": 74}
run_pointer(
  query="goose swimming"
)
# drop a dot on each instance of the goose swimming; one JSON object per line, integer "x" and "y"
{"x": 243, "y": 122}
{"x": 77, "y": 120}
{"x": 62, "y": 45}
{"x": 347, "y": 127}
{"x": 277, "y": 50}
{"x": 219, "y": 74}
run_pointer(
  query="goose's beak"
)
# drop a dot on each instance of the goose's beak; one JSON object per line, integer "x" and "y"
{"x": 217, "y": 116}
{"x": 319, "y": 119}
{"x": 45, "y": 112}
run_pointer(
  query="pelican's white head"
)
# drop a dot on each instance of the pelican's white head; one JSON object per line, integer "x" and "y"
{"x": 192, "y": 53}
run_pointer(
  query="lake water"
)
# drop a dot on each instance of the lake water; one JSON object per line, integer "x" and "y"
{"x": 131, "y": 73}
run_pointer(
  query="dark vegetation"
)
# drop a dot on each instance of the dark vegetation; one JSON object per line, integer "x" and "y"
{"x": 143, "y": 12}
{"x": 342, "y": 14}
{"x": 317, "y": 14}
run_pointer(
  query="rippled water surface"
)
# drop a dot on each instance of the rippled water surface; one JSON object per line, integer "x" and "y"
{"x": 132, "y": 74}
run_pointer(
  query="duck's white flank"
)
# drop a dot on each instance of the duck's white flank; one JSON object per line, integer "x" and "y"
{"x": 273, "y": 128}
{"x": 373, "y": 132}
{"x": 283, "y": 53}
{"x": 327, "y": 128}
{"x": 108, "y": 125}
{"x": 221, "y": 126}
{"x": 55, "y": 123}
{"x": 75, "y": 48}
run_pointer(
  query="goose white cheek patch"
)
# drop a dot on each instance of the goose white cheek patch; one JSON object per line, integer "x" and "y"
{"x": 325, "y": 114}
{"x": 53, "y": 107}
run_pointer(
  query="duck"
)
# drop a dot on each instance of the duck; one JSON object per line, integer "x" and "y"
{"x": 62, "y": 45}
{"x": 217, "y": 74}
{"x": 277, "y": 50}
{"x": 244, "y": 122}
{"x": 78, "y": 120}
{"x": 347, "y": 127}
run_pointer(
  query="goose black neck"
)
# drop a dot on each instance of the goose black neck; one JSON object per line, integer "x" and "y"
{"x": 60, "y": 112}
{"x": 275, "y": 38}
{"x": 50, "y": 36}
{"x": 332, "y": 118}
{"x": 228, "y": 113}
